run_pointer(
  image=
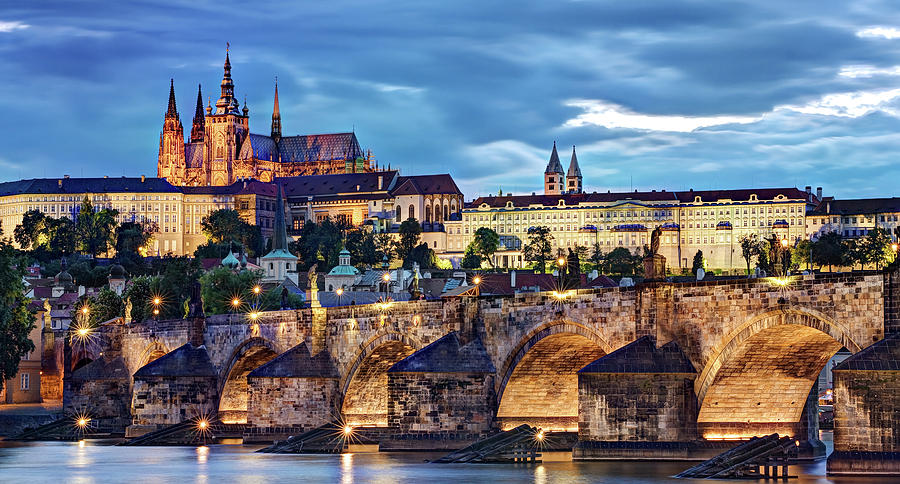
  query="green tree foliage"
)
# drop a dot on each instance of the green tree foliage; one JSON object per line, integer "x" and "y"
{"x": 132, "y": 236}
{"x": 362, "y": 247}
{"x": 829, "y": 250}
{"x": 485, "y": 243}
{"x": 409, "y": 232}
{"x": 104, "y": 306}
{"x": 622, "y": 262}
{"x": 319, "y": 243}
{"x": 221, "y": 285}
{"x": 539, "y": 248}
{"x": 16, "y": 320}
{"x": 751, "y": 247}
{"x": 596, "y": 258}
{"x": 95, "y": 230}
{"x": 698, "y": 263}
{"x": 385, "y": 247}
{"x": 471, "y": 260}
{"x": 423, "y": 255}
{"x": 172, "y": 285}
{"x": 212, "y": 250}
{"x": 225, "y": 226}
{"x": 802, "y": 255}
{"x": 26, "y": 233}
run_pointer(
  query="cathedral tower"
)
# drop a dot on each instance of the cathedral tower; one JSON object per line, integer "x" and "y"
{"x": 573, "y": 176}
{"x": 171, "y": 163}
{"x": 226, "y": 129}
{"x": 554, "y": 178}
{"x": 198, "y": 127}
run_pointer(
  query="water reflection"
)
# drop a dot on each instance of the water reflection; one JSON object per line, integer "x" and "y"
{"x": 346, "y": 468}
{"x": 100, "y": 462}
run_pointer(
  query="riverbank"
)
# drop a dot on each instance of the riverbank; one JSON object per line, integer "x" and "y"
{"x": 17, "y": 417}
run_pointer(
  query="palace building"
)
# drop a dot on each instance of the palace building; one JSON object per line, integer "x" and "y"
{"x": 709, "y": 220}
{"x": 221, "y": 149}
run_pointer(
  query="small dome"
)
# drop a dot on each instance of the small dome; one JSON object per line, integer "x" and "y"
{"x": 345, "y": 252}
{"x": 117, "y": 271}
{"x": 64, "y": 276}
{"x": 231, "y": 261}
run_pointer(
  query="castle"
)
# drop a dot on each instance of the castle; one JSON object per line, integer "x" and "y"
{"x": 222, "y": 149}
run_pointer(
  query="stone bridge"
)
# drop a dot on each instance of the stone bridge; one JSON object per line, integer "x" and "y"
{"x": 659, "y": 362}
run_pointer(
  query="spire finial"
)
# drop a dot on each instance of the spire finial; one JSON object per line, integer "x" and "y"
{"x": 276, "y": 116}
{"x": 172, "y": 111}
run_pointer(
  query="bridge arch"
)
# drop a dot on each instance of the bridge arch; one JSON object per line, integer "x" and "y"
{"x": 234, "y": 391}
{"x": 152, "y": 352}
{"x": 364, "y": 391}
{"x": 539, "y": 381}
{"x": 760, "y": 375}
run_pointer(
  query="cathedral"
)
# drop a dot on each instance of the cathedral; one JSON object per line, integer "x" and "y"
{"x": 222, "y": 149}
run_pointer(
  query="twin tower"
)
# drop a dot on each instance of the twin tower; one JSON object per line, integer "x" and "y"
{"x": 557, "y": 182}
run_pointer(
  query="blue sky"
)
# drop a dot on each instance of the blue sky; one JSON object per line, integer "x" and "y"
{"x": 657, "y": 95}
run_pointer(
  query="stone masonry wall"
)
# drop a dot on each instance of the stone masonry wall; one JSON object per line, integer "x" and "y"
{"x": 164, "y": 401}
{"x": 636, "y": 407}
{"x": 299, "y": 404}
{"x": 867, "y": 411}
{"x": 452, "y": 407}
{"x": 105, "y": 402}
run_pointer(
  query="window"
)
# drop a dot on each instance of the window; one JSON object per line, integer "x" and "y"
{"x": 26, "y": 377}
{"x": 412, "y": 212}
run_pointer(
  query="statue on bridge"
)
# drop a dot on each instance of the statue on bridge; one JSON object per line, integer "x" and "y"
{"x": 195, "y": 303}
{"x": 654, "y": 262}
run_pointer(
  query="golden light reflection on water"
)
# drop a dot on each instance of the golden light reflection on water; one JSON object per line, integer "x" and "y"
{"x": 540, "y": 475}
{"x": 346, "y": 468}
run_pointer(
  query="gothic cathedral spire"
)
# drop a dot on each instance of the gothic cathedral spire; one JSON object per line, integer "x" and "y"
{"x": 226, "y": 102}
{"x": 172, "y": 111}
{"x": 554, "y": 178}
{"x": 276, "y": 117}
{"x": 573, "y": 176}
{"x": 198, "y": 129}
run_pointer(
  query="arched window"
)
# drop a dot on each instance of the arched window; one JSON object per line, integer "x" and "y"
{"x": 427, "y": 213}
{"x": 446, "y": 212}
{"x": 399, "y": 217}
{"x": 412, "y": 212}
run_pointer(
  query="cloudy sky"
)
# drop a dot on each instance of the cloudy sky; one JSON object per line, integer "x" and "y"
{"x": 656, "y": 95}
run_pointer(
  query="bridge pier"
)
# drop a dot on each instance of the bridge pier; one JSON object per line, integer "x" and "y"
{"x": 441, "y": 397}
{"x": 637, "y": 401}
{"x": 867, "y": 411}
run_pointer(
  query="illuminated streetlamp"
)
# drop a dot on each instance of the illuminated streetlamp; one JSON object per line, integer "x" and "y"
{"x": 340, "y": 291}
{"x": 347, "y": 430}
{"x": 235, "y": 303}
{"x": 476, "y": 280}
{"x": 257, "y": 290}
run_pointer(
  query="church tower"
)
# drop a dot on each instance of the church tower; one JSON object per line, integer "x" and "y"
{"x": 226, "y": 129}
{"x": 276, "y": 117}
{"x": 573, "y": 176}
{"x": 198, "y": 127}
{"x": 554, "y": 178}
{"x": 171, "y": 164}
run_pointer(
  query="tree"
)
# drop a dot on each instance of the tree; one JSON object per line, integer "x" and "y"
{"x": 597, "y": 256}
{"x": 385, "y": 246}
{"x": 539, "y": 247}
{"x": 139, "y": 295}
{"x": 323, "y": 239}
{"x": 876, "y": 248}
{"x": 853, "y": 253}
{"x": 750, "y": 248}
{"x": 471, "y": 260}
{"x": 828, "y": 250}
{"x": 104, "y": 306}
{"x": 131, "y": 237}
{"x": 16, "y": 320}
{"x": 485, "y": 243}
{"x": 422, "y": 255}
{"x": 409, "y": 231}
{"x": 698, "y": 263}
{"x": 26, "y": 233}
{"x": 94, "y": 230}
{"x": 362, "y": 248}
{"x": 802, "y": 254}
{"x": 226, "y": 226}
{"x": 621, "y": 261}
{"x": 220, "y": 286}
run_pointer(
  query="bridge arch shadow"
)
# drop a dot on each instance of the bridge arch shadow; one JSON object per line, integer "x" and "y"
{"x": 234, "y": 390}
{"x": 539, "y": 381}
{"x": 759, "y": 378}
{"x": 151, "y": 353}
{"x": 364, "y": 384}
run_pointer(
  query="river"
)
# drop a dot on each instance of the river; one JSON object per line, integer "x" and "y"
{"x": 100, "y": 462}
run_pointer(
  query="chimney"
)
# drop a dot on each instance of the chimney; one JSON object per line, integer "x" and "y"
{"x": 380, "y": 181}
{"x": 819, "y": 193}
{"x": 808, "y": 190}
{"x": 143, "y": 178}
{"x": 66, "y": 177}
{"x": 512, "y": 279}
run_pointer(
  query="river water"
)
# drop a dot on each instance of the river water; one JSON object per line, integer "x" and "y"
{"x": 99, "y": 462}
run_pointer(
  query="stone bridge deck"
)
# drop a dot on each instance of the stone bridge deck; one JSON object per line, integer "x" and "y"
{"x": 465, "y": 366}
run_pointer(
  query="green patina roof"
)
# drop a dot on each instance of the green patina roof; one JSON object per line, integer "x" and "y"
{"x": 279, "y": 254}
{"x": 231, "y": 260}
{"x": 343, "y": 271}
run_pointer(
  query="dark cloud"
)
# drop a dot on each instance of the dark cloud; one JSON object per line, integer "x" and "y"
{"x": 479, "y": 89}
